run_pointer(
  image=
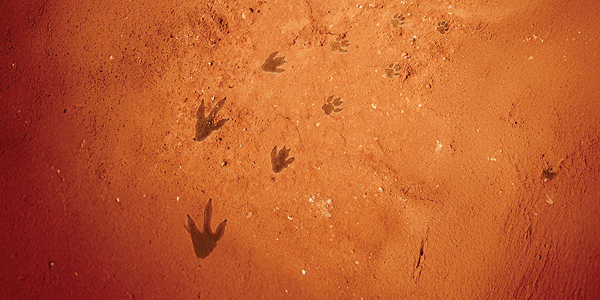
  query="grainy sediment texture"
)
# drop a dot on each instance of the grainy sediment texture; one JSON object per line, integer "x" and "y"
{"x": 432, "y": 181}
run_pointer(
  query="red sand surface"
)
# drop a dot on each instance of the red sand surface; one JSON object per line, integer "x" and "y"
{"x": 472, "y": 173}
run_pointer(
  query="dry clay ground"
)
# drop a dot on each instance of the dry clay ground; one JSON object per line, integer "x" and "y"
{"x": 472, "y": 173}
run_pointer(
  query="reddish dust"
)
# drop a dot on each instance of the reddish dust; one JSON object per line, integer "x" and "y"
{"x": 431, "y": 149}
